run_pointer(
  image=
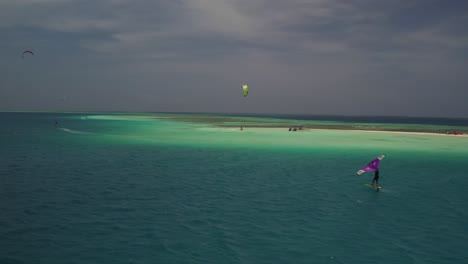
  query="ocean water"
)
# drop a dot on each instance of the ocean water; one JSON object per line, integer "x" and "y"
{"x": 166, "y": 188}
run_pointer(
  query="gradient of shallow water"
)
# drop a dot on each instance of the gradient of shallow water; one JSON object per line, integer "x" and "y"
{"x": 134, "y": 189}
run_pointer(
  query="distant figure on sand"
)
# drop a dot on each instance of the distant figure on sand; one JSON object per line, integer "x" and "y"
{"x": 376, "y": 179}
{"x": 242, "y": 128}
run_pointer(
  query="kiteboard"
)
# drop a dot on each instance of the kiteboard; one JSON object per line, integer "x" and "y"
{"x": 373, "y": 187}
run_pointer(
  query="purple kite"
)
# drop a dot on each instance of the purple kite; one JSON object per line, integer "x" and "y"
{"x": 372, "y": 166}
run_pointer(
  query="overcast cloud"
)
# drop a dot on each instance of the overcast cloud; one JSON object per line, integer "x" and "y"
{"x": 362, "y": 57}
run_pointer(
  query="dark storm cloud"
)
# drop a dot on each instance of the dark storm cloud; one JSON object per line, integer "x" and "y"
{"x": 314, "y": 56}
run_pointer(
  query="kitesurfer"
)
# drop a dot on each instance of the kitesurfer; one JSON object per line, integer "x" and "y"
{"x": 25, "y": 52}
{"x": 376, "y": 179}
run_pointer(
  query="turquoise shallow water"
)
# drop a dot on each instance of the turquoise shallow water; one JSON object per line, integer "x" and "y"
{"x": 147, "y": 189}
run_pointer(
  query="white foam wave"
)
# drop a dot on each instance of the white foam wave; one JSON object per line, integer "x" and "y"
{"x": 74, "y": 131}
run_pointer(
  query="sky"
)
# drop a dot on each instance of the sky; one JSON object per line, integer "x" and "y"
{"x": 318, "y": 57}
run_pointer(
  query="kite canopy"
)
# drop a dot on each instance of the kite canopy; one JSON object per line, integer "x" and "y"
{"x": 246, "y": 89}
{"x": 25, "y": 52}
{"x": 372, "y": 166}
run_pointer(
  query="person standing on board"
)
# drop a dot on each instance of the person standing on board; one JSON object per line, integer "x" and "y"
{"x": 376, "y": 179}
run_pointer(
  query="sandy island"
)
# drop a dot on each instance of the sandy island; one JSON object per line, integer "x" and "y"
{"x": 282, "y": 128}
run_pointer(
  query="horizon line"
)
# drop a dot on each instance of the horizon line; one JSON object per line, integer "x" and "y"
{"x": 224, "y": 113}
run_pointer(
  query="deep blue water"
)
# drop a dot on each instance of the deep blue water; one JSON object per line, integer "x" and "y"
{"x": 73, "y": 198}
